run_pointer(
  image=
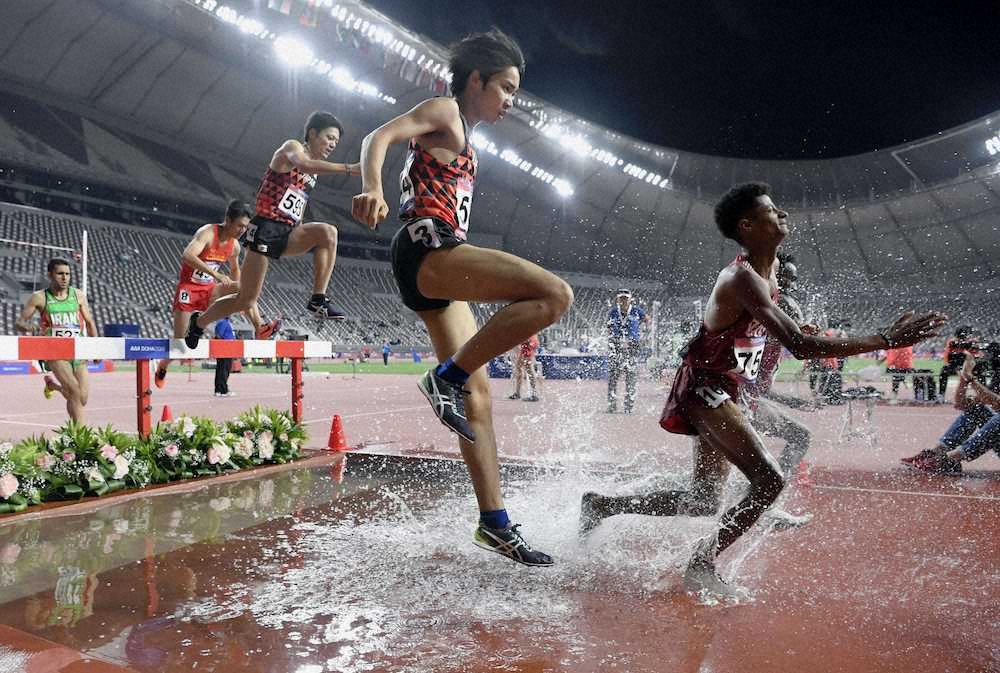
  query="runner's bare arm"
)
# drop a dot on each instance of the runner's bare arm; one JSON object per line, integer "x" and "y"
{"x": 25, "y": 323}
{"x": 294, "y": 153}
{"x": 88, "y": 317}
{"x": 234, "y": 263}
{"x": 197, "y": 245}
{"x": 434, "y": 115}
{"x": 753, "y": 294}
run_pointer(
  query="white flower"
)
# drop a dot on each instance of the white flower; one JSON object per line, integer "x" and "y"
{"x": 264, "y": 447}
{"x": 186, "y": 426}
{"x": 244, "y": 447}
{"x": 219, "y": 453}
{"x": 93, "y": 474}
{"x": 5, "y": 448}
{"x": 121, "y": 467}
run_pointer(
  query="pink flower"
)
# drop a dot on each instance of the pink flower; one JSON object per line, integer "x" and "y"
{"x": 109, "y": 452}
{"x": 121, "y": 467}
{"x": 171, "y": 451}
{"x": 45, "y": 461}
{"x": 8, "y": 485}
{"x": 248, "y": 435}
{"x": 68, "y": 456}
{"x": 218, "y": 453}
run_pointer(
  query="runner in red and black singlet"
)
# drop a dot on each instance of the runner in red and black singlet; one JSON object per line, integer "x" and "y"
{"x": 437, "y": 271}
{"x": 201, "y": 279}
{"x": 727, "y": 354}
{"x": 277, "y": 229}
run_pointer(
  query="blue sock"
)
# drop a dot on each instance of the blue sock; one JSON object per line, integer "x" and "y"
{"x": 451, "y": 372}
{"x": 496, "y": 519}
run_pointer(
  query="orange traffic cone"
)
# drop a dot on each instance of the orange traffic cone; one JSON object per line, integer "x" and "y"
{"x": 166, "y": 416}
{"x": 336, "y": 441}
{"x": 802, "y": 477}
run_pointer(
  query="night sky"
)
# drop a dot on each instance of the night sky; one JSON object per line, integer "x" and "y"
{"x": 763, "y": 79}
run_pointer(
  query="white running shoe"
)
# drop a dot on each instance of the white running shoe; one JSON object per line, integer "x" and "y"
{"x": 702, "y": 579}
{"x": 784, "y": 520}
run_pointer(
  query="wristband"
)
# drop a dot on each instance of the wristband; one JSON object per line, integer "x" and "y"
{"x": 888, "y": 342}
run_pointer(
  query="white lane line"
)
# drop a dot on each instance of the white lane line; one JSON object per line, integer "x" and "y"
{"x": 367, "y": 413}
{"x": 857, "y": 489}
{"x": 36, "y": 425}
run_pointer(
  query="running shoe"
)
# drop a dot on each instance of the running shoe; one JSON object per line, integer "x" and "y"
{"x": 508, "y": 542}
{"x": 702, "y": 579}
{"x": 533, "y": 398}
{"x": 268, "y": 330}
{"x": 448, "y": 401}
{"x": 160, "y": 377}
{"x": 938, "y": 464}
{"x": 51, "y": 386}
{"x": 324, "y": 309}
{"x": 784, "y": 520}
{"x": 923, "y": 455}
{"x": 514, "y": 396}
{"x": 194, "y": 333}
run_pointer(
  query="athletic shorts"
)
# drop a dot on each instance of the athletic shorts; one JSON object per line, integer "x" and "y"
{"x": 409, "y": 247}
{"x": 192, "y": 297}
{"x": 699, "y": 386}
{"x": 267, "y": 237}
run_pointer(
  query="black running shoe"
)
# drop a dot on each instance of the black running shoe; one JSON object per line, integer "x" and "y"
{"x": 508, "y": 542}
{"x": 194, "y": 333}
{"x": 448, "y": 401}
{"x": 322, "y": 308}
{"x": 589, "y": 516}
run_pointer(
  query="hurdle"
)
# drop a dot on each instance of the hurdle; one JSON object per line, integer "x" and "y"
{"x": 145, "y": 351}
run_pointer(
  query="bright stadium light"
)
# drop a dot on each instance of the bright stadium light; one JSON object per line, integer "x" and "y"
{"x": 993, "y": 145}
{"x": 293, "y": 51}
{"x": 562, "y": 188}
{"x": 342, "y": 77}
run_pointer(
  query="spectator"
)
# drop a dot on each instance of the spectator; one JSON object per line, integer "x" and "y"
{"x": 386, "y": 350}
{"x": 955, "y": 350}
{"x": 973, "y": 433}
{"x": 524, "y": 365}
{"x": 223, "y": 366}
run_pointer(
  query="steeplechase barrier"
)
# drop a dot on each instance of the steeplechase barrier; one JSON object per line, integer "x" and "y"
{"x": 144, "y": 351}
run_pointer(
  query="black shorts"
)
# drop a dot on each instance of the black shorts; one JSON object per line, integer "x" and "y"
{"x": 409, "y": 247}
{"x": 266, "y": 236}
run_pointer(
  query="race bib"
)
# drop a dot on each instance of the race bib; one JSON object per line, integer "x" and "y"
{"x": 184, "y": 297}
{"x": 463, "y": 201}
{"x": 293, "y": 203}
{"x": 714, "y": 397}
{"x": 748, "y": 352}
{"x": 422, "y": 231}
{"x": 66, "y": 332}
{"x": 203, "y": 278}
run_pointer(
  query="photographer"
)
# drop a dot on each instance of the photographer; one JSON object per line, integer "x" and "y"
{"x": 973, "y": 433}
{"x": 624, "y": 321}
{"x": 955, "y": 350}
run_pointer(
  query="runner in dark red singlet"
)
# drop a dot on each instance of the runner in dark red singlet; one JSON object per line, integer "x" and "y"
{"x": 437, "y": 272}
{"x": 725, "y": 355}
{"x": 277, "y": 229}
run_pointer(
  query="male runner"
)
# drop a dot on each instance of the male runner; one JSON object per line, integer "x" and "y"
{"x": 524, "y": 367}
{"x": 437, "y": 272}
{"x": 64, "y": 312}
{"x": 277, "y": 230}
{"x": 725, "y": 355}
{"x": 201, "y": 281}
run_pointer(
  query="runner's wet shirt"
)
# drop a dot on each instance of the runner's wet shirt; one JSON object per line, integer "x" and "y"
{"x": 62, "y": 317}
{"x": 214, "y": 255}
{"x": 282, "y": 197}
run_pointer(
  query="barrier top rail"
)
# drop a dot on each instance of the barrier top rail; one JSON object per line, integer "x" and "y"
{"x": 143, "y": 351}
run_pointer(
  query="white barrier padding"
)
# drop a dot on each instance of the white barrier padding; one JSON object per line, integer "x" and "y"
{"x": 178, "y": 351}
{"x": 9, "y": 349}
{"x": 259, "y": 349}
{"x": 99, "y": 348}
{"x": 318, "y": 349}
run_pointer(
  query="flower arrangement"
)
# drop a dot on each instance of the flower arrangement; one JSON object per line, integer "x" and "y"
{"x": 80, "y": 461}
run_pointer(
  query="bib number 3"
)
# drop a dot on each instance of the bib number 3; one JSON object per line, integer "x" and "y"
{"x": 422, "y": 231}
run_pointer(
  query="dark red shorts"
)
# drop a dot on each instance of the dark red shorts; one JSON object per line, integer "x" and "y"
{"x": 704, "y": 387}
{"x": 192, "y": 297}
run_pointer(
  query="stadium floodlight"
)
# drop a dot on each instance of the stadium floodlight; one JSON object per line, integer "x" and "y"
{"x": 293, "y": 51}
{"x": 342, "y": 77}
{"x": 563, "y": 188}
{"x": 993, "y": 145}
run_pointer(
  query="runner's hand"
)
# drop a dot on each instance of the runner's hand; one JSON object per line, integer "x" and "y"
{"x": 810, "y": 329}
{"x": 910, "y": 329}
{"x": 223, "y": 278}
{"x": 369, "y": 208}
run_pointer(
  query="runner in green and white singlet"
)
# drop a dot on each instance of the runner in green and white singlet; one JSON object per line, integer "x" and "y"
{"x": 64, "y": 312}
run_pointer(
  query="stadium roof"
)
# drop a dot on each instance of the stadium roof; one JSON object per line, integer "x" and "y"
{"x": 225, "y": 82}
